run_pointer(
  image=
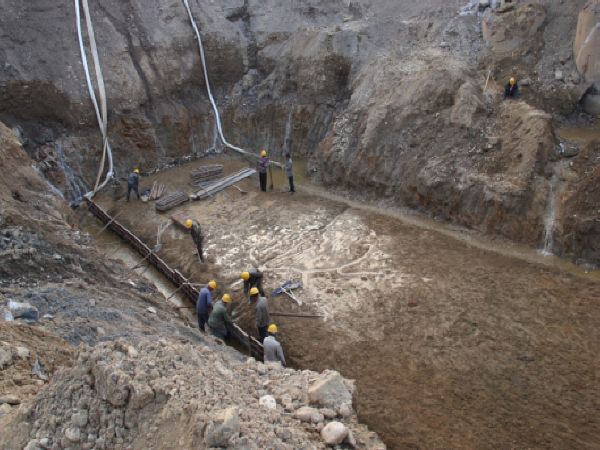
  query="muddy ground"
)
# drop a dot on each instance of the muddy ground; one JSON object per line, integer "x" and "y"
{"x": 451, "y": 346}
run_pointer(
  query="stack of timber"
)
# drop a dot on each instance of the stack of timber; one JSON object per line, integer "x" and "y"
{"x": 171, "y": 201}
{"x": 253, "y": 346}
{"x": 224, "y": 182}
{"x": 180, "y": 219}
{"x": 156, "y": 191}
{"x": 204, "y": 174}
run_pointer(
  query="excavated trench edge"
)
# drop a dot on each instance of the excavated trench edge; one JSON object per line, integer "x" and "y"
{"x": 248, "y": 342}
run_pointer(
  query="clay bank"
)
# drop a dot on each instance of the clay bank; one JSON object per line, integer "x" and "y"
{"x": 451, "y": 344}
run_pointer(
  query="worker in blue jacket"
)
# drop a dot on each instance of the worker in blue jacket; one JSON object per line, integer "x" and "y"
{"x": 204, "y": 303}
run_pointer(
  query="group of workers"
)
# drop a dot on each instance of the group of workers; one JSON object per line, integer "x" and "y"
{"x": 263, "y": 165}
{"x": 216, "y": 316}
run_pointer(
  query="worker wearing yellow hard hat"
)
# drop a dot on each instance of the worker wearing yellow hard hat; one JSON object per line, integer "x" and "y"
{"x": 253, "y": 278}
{"x": 204, "y": 303}
{"x": 273, "y": 350}
{"x": 263, "y": 164}
{"x": 263, "y": 320}
{"x": 133, "y": 182}
{"x": 219, "y": 318}
{"x": 196, "y": 233}
{"x": 511, "y": 89}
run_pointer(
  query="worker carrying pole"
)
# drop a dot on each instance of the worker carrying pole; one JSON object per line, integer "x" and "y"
{"x": 253, "y": 278}
{"x": 273, "y": 350}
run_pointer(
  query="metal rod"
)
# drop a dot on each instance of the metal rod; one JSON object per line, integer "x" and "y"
{"x": 295, "y": 315}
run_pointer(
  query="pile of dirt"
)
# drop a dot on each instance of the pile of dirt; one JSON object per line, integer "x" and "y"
{"x": 160, "y": 393}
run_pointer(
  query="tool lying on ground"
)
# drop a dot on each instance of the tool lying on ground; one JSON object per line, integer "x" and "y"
{"x": 287, "y": 288}
{"x": 316, "y": 316}
{"x": 241, "y": 191}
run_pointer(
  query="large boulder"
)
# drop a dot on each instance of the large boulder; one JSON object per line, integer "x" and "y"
{"x": 591, "y": 104}
{"x": 505, "y": 30}
{"x": 329, "y": 391}
{"x": 586, "y": 44}
{"x": 225, "y": 427}
{"x": 334, "y": 433}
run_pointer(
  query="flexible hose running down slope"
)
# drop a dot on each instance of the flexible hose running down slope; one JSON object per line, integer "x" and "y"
{"x": 102, "y": 118}
{"x": 212, "y": 100}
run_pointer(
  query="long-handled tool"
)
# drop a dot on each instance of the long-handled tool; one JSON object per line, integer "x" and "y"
{"x": 241, "y": 191}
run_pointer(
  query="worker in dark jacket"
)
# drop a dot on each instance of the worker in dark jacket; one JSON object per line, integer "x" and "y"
{"x": 273, "y": 351}
{"x": 253, "y": 278}
{"x": 196, "y": 233}
{"x": 263, "y": 164}
{"x": 132, "y": 183}
{"x": 204, "y": 303}
{"x": 219, "y": 317}
{"x": 289, "y": 171}
{"x": 511, "y": 89}
{"x": 262, "y": 316}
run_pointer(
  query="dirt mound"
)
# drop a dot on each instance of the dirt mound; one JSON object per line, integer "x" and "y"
{"x": 159, "y": 393}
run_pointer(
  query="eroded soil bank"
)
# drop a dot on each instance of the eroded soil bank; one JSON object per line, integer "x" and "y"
{"x": 451, "y": 346}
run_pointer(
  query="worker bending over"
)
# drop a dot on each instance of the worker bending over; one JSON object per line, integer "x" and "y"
{"x": 511, "y": 89}
{"x": 196, "y": 233}
{"x": 262, "y": 313}
{"x": 263, "y": 163}
{"x": 204, "y": 303}
{"x": 253, "y": 278}
{"x": 219, "y": 317}
{"x": 273, "y": 351}
{"x": 132, "y": 183}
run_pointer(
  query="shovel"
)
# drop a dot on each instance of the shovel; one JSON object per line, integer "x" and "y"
{"x": 241, "y": 191}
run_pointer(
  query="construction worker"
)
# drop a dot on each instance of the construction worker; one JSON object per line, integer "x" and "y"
{"x": 196, "y": 233}
{"x": 219, "y": 317}
{"x": 262, "y": 314}
{"x": 289, "y": 171}
{"x": 204, "y": 303}
{"x": 511, "y": 89}
{"x": 273, "y": 351}
{"x": 253, "y": 278}
{"x": 132, "y": 183}
{"x": 263, "y": 163}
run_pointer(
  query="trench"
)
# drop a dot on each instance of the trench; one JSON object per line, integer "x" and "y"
{"x": 429, "y": 318}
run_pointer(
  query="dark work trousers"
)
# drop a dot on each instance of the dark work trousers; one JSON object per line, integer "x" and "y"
{"x": 202, "y": 319}
{"x": 254, "y": 282}
{"x": 508, "y": 93}
{"x": 262, "y": 332}
{"x": 263, "y": 181}
{"x": 199, "y": 246}
{"x": 135, "y": 189}
{"x": 291, "y": 184}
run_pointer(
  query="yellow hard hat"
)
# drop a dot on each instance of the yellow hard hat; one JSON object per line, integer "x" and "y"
{"x": 272, "y": 328}
{"x": 253, "y": 291}
{"x": 245, "y": 275}
{"x": 136, "y": 171}
{"x": 512, "y": 81}
{"x": 189, "y": 224}
{"x": 263, "y": 153}
{"x": 226, "y": 298}
{"x": 212, "y": 285}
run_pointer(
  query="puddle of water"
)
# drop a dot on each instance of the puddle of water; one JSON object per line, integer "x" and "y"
{"x": 280, "y": 179}
{"x": 585, "y": 134}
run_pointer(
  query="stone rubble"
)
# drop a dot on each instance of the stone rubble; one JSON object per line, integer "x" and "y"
{"x": 154, "y": 394}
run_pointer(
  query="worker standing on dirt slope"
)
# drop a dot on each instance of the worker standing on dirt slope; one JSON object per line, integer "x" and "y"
{"x": 511, "y": 89}
{"x": 289, "y": 171}
{"x": 273, "y": 351}
{"x": 132, "y": 183}
{"x": 253, "y": 278}
{"x": 196, "y": 232}
{"x": 219, "y": 317}
{"x": 262, "y": 316}
{"x": 204, "y": 303}
{"x": 263, "y": 163}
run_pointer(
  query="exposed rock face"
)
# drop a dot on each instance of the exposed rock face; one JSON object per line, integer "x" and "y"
{"x": 586, "y": 45}
{"x": 507, "y": 29}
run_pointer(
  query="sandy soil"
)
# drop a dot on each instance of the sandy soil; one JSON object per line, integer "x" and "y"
{"x": 451, "y": 346}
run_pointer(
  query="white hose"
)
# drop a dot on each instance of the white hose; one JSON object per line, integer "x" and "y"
{"x": 102, "y": 118}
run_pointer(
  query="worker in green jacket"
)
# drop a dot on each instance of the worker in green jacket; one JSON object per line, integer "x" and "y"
{"x": 219, "y": 317}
